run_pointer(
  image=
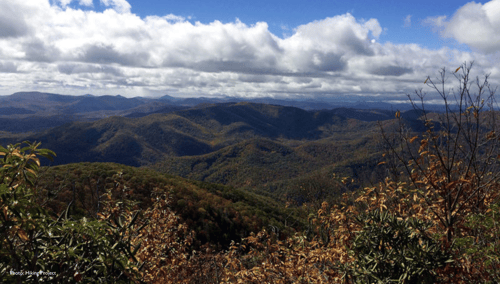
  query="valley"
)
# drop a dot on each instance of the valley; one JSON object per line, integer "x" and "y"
{"x": 263, "y": 148}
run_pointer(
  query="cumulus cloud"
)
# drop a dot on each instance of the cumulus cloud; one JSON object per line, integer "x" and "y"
{"x": 12, "y": 20}
{"x": 105, "y": 54}
{"x": 213, "y": 47}
{"x": 79, "y": 68}
{"x": 475, "y": 24}
{"x": 340, "y": 34}
{"x": 8, "y": 67}
{"x": 61, "y": 48}
{"x": 36, "y": 49}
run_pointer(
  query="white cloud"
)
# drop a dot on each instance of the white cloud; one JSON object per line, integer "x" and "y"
{"x": 65, "y": 3}
{"x": 326, "y": 45}
{"x": 174, "y": 18}
{"x": 88, "y": 3}
{"x": 12, "y": 19}
{"x": 407, "y": 23}
{"x": 7, "y": 67}
{"x": 436, "y": 21}
{"x": 121, "y": 6}
{"x": 212, "y": 47}
{"x": 66, "y": 50}
{"x": 475, "y": 24}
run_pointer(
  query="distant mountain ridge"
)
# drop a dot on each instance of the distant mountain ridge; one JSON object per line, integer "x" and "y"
{"x": 69, "y": 104}
{"x": 193, "y": 131}
{"x": 35, "y": 111}
{"x": 45, "y": 102}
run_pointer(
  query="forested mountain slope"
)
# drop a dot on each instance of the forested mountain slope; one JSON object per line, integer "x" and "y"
{"x": 198, "y": 131}
{"x": 217, "y": 213}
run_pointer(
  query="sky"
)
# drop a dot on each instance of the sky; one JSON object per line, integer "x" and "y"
{"x": 283, "y": 49}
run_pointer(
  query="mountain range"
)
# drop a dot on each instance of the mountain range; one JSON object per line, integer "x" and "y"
{"x": 32, "y": 111}
{"x": 265, "y": 147}
{"x": 231, "y": 166}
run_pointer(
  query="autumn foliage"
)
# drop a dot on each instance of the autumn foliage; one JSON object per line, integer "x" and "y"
{"x": 434, "y": 222}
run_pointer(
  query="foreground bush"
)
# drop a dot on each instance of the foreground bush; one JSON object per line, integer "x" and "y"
{"x": 38, "y": 247}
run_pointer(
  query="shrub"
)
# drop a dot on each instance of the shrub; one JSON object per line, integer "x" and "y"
{"x": 390, "y": 249}
{"x": 36, "y": 246}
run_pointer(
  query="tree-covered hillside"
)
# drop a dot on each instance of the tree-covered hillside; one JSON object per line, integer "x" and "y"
{"x": 266, "y": 147}
{"x": 218, "y": 213}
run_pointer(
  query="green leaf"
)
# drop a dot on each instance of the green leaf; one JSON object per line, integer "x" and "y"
{"x": 120, "y": 222}
{"x": 136, "y": 248}
{"x": 67, "y": 210}
{"x": 134, "y": 218}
